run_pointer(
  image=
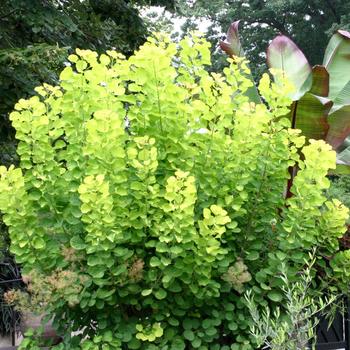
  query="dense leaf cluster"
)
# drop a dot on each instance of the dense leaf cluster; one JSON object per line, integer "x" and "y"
{"x": 161, "y": 188}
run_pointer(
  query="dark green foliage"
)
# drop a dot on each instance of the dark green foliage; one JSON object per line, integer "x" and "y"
{"x": 96, "y": 24}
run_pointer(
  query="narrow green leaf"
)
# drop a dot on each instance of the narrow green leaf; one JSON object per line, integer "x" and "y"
{"x": 275, "y": 296}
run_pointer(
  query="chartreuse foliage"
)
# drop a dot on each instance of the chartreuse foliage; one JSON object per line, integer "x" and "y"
{"x": 160, "y": 187}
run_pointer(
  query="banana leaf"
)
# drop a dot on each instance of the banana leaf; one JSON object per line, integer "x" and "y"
{"x": 320, "y": 81}
{"x": 337, "y": 62}
{"x": 309, "y": 114}
{"x": 284, "y": 55}
{"x": 339, "y": 126}
{"x": 343, "y": 98}
{"x": 232, "y": 45}
{"x": 343, "y": 157}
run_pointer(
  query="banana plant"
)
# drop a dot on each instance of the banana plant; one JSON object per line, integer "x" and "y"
{"x": 321, "y": 100}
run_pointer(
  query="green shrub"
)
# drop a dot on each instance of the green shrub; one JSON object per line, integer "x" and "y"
{"x": 159, "y": 188}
